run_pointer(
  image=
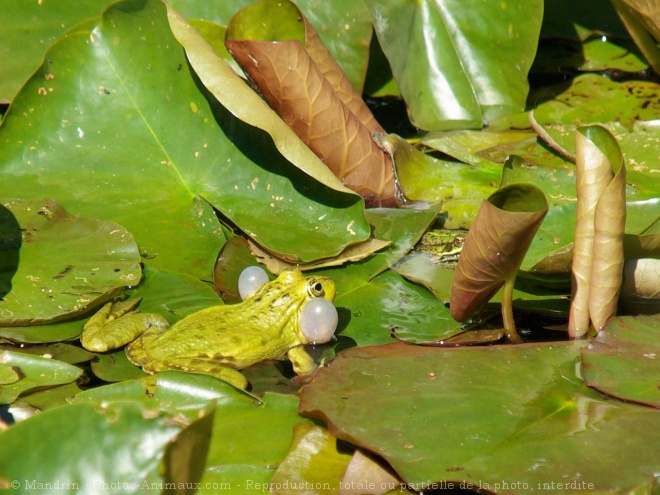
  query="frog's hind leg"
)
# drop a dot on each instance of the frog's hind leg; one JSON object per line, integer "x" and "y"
{"x": 202, "y": 366}
{"x": 136, "y": 350}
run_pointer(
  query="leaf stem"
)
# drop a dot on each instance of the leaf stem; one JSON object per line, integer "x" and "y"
{"x": 507, "y": 312}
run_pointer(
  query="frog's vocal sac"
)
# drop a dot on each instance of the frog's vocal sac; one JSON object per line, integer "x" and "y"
{"x": 219, "y": 340}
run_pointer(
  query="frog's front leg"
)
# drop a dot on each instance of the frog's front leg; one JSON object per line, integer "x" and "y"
{"x": 303, "y": 364}
{"x": 117, "y": 324}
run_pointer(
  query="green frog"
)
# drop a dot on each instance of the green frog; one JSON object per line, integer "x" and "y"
{"x": 444, "y": 246}
{"x": 219, "y": 340}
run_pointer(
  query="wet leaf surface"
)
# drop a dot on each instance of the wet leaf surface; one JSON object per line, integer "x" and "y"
{"x": 503, "y": 412}
{"x": 390, "y": 303}
{"x": 24, "y": 40}
{"x": 463, "y": 78}
{"x": 34, "y": 372}
{"x": 68, "y": 264}
{"x": 96, "y": 441}
{"x": 250, "y": 440}
{"x": 622, "y": 360}
{"x": 165, "y": 153}
{"x": 66, "y": 353}
{"x": 458, "y": 187}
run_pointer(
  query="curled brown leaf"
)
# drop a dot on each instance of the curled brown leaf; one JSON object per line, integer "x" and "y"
{"x": 310, "y": 92}
{"x": 495, "y": 246}
{"x": 600, "y": 221}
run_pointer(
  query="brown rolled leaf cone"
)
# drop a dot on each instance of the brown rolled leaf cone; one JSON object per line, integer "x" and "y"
{"x": 608, "y": 256}
{"x": 492, "y": 253}
{"x": 593, "y": 174}
{"x": 297, "y": 90}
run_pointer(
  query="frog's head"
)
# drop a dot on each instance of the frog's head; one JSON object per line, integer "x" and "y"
{"x": 317, "y": 316}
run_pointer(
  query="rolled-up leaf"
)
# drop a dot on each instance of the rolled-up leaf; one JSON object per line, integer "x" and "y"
{"x": 598, "y": 246}
{"x": 313, "y": 96}
{"x": 494, "y": 249}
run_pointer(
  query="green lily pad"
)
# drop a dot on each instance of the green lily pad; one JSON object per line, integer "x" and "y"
{"x": 8, "y": 375}
{"x": 390, "y": 303}
{"x": 173, "y": 295}
{"x": 115, "y": 367}
{"x": 250, "y": 437}
{"x": 250, "y": 440}
{"x": 602, "y": 54}
{"x": 38, "y": 334}
{"x": 466, "y": 75}
{"x": 96, "y": 441}
{"x": 28, "y": 29}
{"x": 35, "y": 372}
{"x": 484, "y": 415}
{"x": 174, "y": 391}
{"x": 68, "y": 264}
{"x": 66, "y": 353}
{"x": 622, "y": 360}
{"x": 152, "y": 178}
{"x": 471, "y": 147}
{"x": 592, "y": 98}
{"x": 459, "y": 187}
{"x": 60, "y": 395}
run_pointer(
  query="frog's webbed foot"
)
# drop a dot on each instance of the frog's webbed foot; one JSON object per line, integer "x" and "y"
{"x": 116, "y": 324}
{"x": 303, "y": 364}
{"x": 202, "y": 366}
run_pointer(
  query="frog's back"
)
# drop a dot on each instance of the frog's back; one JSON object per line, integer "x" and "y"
{"x": 234, "y": 335}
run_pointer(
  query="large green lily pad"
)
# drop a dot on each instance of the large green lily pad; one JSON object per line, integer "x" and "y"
{"x": 160, "y": 146}
{"x": 100, "y": 446}
{"x": 65, "y": 264}
{"x": 622, "y": 360}
{"x": 24, "y": 39}
{"x": 459, "y": 67}
{"x": 250, "y": 440}
{"x": 483, "y": 415}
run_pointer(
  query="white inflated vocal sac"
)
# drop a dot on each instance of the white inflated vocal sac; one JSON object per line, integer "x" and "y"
{"x": 318, "y": 320}
{"x": 251, "y": 280}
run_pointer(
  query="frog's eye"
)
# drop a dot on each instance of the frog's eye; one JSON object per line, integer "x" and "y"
{"x": 315, "y": 288}
{"x": 251, "y": 280}
{"x": 318, "y": 320}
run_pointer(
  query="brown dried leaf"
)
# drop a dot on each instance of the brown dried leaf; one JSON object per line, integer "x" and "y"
{"x": 310, "y": 92}
{"x": 352, "y": 253}
{"x": 294, "y": 86}
{"x": 607, "y": 266}
{"x": 597, "y": 154}
{"x": 495, "y": 246}
{"x": 337, "y": 78}
{"x": 648, "y": 12}
{"x": 643, "y": 275}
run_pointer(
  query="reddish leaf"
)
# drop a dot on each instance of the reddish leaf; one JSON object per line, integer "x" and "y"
{"x": 307, "y": 88}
